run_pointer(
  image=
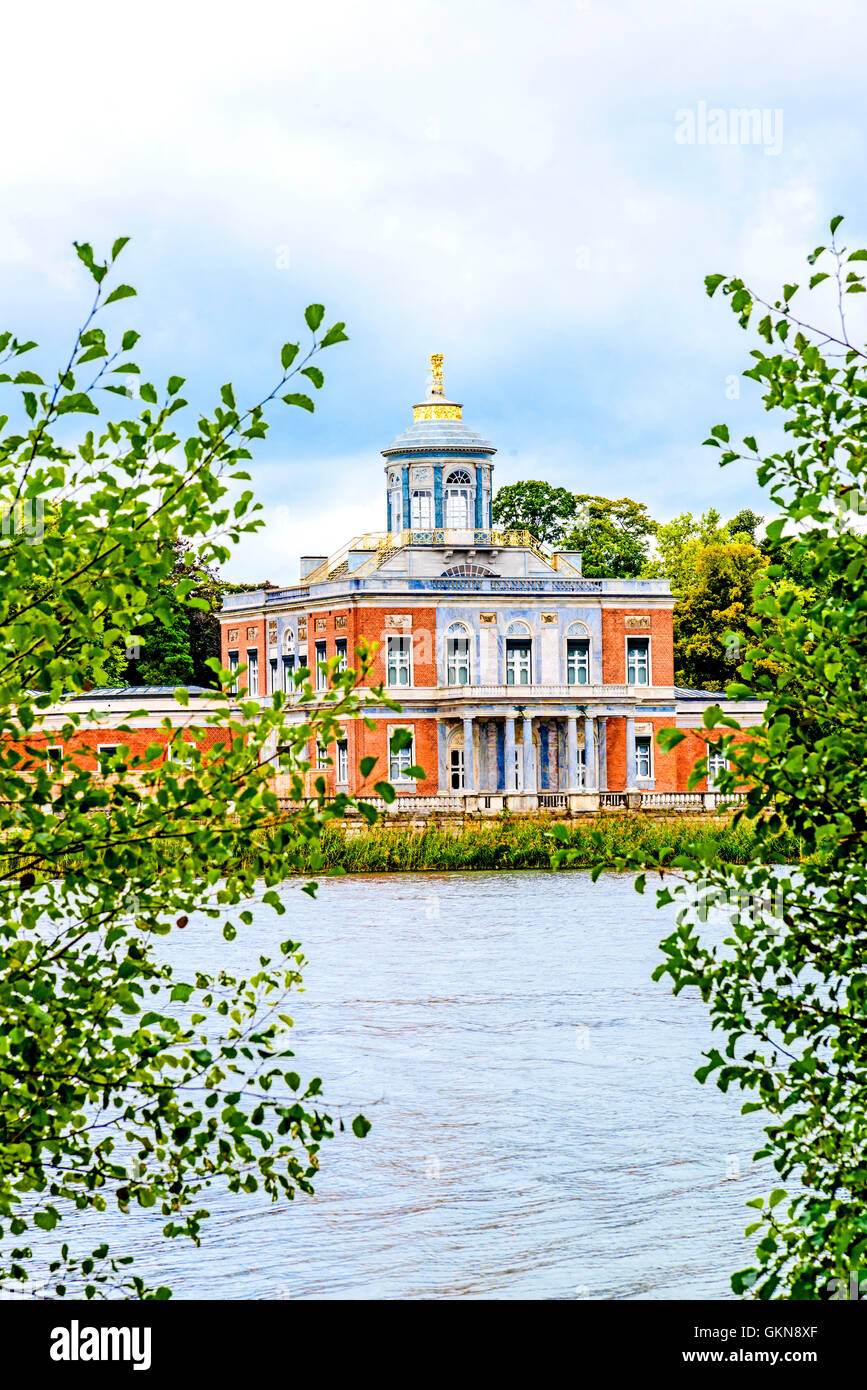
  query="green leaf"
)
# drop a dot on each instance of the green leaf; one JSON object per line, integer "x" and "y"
{"x": 386, "y": 791}
{"x": 367, "y": 765}
{"x": 314, "y": 314}
{"x": 400, "y": 739}
{"x": 121, "y": 292}
{"x": 288, "y": 353}
{"x": 334, "y": 335}
{"x": 118, "y": 246}
{"x": 315, "y": 375}
{"x": 360, "y": 1127}
{"x": 835, "y": 222}
{"x": 712, "y": 283}
{"x": 303, "y": 402}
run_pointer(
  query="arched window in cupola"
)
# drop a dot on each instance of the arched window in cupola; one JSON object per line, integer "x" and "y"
{"x": 460, "y": 495}
{"x": 395, "y": 501}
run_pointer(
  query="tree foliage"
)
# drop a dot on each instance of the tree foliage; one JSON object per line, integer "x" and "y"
{"x": 787, "y": 988}
{"x": 537, "y": 507}
{"x": 613, "y": 536}
{"x": 123, "y": 1082}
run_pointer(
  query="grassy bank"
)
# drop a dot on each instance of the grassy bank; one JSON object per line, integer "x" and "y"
{"x": 502, "y": 843}
{"x": 526, "y": 844}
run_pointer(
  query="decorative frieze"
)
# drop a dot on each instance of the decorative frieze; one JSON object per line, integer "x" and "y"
{"x": 252, "y": 634}
{"x": 402, "y": 622}
{"x": 549, "y": 617}
{"x": 340, "y": 622}
{"x": 232, "y": 634}
{"x": 320, "y": 624}
{"x": 487, "y": 617}
{"x": 637, "y": 622}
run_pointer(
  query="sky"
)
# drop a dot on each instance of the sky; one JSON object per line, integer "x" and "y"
{"x": 536, "y": 190}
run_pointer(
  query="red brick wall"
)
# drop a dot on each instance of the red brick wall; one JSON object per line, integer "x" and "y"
{"x": 137, "y": 740}
{"x": 371, "y": 627}
{"x": 689, "y": 750}
{"x": 242, "y": 644}
{"x": 614, "y": 636}
{"x": 373, "y": 743}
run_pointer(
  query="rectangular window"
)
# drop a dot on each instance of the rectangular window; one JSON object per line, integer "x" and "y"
{"x": 340, "y": 652}
{"x": 321, "y": 676}
{"x": 288, "y": 673}
{"x": 716, "y": 764}
{"x": 458, "y": 661}
{"x": 252, "y": 673}
{"x": 322, "y": 759}
{"x": 233, "y": 667}
{"x": 577, "y": 661}
{"x": 399, "y": 661}
{"x": 105, "y": 756}
{"x": 643, "y": 757}
{"x": 343, "y": 763}
{"x": 54, "y": 760}
{"x": 518, "y": 661}
{"x": 272, "y": 675}
{"x": 638, "y": 661}
{"x": 456, "y": 770}
{"x": 422, "y": 509}
{"x": 399, "y": 761}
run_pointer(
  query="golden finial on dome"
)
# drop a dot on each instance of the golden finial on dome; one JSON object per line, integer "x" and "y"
{"x": 436, "y": 406}
{"x": 436, "y": 371}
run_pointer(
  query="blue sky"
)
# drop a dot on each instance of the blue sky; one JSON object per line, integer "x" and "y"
{"x": 501, "y": 182}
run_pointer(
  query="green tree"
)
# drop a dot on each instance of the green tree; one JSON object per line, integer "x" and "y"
{"x": 679, "y": 543}
{"x": 613, "y": 536}
{"x": 711, "y": 621}
{"x": 787, "y": 988}
{"x": 122, "y": 1081}
{"x": 538, "y": 507}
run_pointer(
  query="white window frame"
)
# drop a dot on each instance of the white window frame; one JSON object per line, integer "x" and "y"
{"x": 395, "y": 493}
{"x": 644, "y": 776}
{"x": 234, "y": 662}
{"x": 252, "y": 671}
{"x": 102, "y": 748}
{"x": 636, "y": 637}
{"x": 402, "y": 661}
{"x": 457, "y": 632}
{"x": 288, "y": 672}
{"x": 456, "y": 768}
{"x": 585, "y": 641}
{"x": 323, "y": 761}
{"x": 273, "y": 674}
{"x": 341, "y": 651}
{"x": 526, "y": 641}
{"x": 54, "y": 764}
{"x": 397, "y": 762}
{"x": 421, "y": 505}
{"x": 343, "y": 762}
{"x": 716, "y": 763}
{"x": 320, "y": 653}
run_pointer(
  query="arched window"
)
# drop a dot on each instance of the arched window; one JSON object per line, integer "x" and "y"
{"x": 457, "y": 655}
{"x": 460, "y": 494}
{"x": 577, "y": 655}
{"x": 519, "y": 654}
{"x": 395, "y": 497}
{"x": 475, "y": 571}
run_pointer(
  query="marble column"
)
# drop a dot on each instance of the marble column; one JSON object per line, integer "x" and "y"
{"x": 529, "y": 756}
{"x": 491, "y": 751}
{"x": 630, "y": 753}
{"x": 469, "y": 780}
{"x": 572, "y": 753}
{"x": 591, "y": 776}
{"x": 554, "y": 755}
{"x": 509, "y": 757}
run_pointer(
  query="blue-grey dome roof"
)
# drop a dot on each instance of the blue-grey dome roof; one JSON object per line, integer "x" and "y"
{"x": 444, "y": 436}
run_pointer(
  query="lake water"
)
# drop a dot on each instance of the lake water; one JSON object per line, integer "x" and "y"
{"x": 537, "y": 1130}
